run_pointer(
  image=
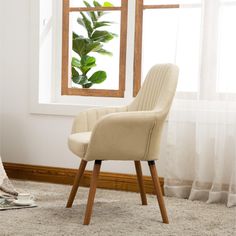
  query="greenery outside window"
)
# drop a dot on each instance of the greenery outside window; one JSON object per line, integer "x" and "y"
{"x": 94, "y": 48}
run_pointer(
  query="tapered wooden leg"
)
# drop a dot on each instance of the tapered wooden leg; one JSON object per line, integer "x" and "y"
{"x": 92, "y": 191}
{"x": 74, "y": 189}
{"x": 157, "y": 188}
{"x": 140, "y": 182}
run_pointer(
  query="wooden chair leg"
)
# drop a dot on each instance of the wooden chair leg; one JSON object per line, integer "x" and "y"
{"x": 74, "y": 189}
{"x": 92, "y": 191}
{"x": 157, "y": 188}
{"x": 140, "y": 182}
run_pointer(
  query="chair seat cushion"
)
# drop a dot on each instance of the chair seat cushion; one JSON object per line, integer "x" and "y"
{"x": 78, "y": 143}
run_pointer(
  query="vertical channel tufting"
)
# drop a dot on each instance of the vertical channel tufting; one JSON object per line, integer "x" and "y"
{"x": 151, "y": 89}
{"x": 162, "y": 79}
{"x": 158, "y": 78}
{"x": 87, "y": 123}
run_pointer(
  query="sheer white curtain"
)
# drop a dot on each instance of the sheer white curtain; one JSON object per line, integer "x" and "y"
{"x": 201, "y": 137}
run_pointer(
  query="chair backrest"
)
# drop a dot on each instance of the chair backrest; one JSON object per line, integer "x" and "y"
{"x": 158, "y": 89}
{"x": 156, "y": 94}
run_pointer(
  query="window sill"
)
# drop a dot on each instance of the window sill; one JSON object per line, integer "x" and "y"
{"x": 59, "y": 109}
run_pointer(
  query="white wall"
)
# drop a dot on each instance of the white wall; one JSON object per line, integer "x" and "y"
{"x": 27, "y": 138}
{"x": 1, "y": 73}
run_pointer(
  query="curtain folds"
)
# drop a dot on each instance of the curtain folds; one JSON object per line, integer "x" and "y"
{"x": 201, "y": 152}
{"x": 201, "y": 136}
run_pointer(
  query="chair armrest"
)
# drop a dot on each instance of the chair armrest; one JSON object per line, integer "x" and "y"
{"x": 86, "y": 120}
{"x": 124, "y": 136}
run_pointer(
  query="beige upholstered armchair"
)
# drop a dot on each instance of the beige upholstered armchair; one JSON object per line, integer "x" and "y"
{"x": 125, "y": 133}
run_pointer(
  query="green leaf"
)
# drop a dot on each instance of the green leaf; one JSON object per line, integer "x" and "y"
{"x": 75, "y": 79}
{"x": 88, "y": 85}
{"x": 87, "y": 4}
{"x": 75, "y": 62}
{"x": 101, "y": 24}
{"x": 93, "y": 47}
{"x": 105, "y": 52}
{"x": 108, "y": 4}
{"x": 102, "y": 36}
{"x": 91, "y": 14}
{"x": 78, "y": 44}
{"x": 98, "y": 77}
{"x": 87, "y": 63}
{"x": 87, "y": 23}
{"x": 85, "y": 69}
{"x": 83, "y": 46}
{"x": 83, "y": 80}
{"x": 75, "y": 75}
{"x": 74, "y": 72}
{"x": 97, "y": 4}
{"x": 80, "y": 79}
{"x": 75, "y": 35}
{"x": 80, "y": 21}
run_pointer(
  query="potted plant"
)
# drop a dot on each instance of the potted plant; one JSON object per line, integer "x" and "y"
{"x": 93, "y": 42}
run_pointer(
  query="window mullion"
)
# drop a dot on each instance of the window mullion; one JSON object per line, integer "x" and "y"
{"x": 65, "y": 48}
{"x": 138, "y": 46}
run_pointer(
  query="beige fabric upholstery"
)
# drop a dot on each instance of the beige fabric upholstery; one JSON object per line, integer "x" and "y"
{"x": 132, "y": 132}
{"x": 78, "y": 143}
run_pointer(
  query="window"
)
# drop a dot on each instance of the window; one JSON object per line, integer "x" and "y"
{"x": 226, "y": 82}
{"x": 91, "y": 33}
{"x": 167, "y": 32}
{"x": 198, "y": 36}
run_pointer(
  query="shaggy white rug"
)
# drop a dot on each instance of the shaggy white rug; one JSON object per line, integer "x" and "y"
{"x": 114, "y": 213}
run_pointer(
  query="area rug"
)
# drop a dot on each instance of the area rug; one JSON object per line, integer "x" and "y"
{"x": 115, "y": 213}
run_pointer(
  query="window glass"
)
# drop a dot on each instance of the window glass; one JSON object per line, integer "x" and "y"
{"x": 107, "y": 63}
{"x": 173, "y": 36}
{"x": 227, "y": 50}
